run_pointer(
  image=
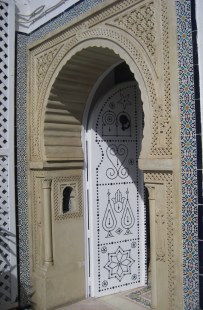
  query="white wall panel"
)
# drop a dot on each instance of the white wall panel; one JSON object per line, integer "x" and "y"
{"x": 8, "y": 259}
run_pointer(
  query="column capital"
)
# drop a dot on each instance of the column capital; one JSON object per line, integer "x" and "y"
{"x": 46, "y": 183}
{"x": 151, "y": 190}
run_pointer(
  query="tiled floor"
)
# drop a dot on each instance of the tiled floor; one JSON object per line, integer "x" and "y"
{"x": 111, "y": 302}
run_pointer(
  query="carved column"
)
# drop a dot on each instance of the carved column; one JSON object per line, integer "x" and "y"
{"x": 48, "y": 248}
{"x": 152, "y": 213}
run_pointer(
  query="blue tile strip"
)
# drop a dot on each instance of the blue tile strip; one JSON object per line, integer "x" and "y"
{"x": 189, "y": 88}
{"x": 21, "y": 173}
{"x": 199, "y": 148}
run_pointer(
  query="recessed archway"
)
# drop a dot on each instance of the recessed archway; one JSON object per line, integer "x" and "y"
{"x": 64, "y": 69}
{"x": 62, "y": 137}
{"x": 68, "y": 95}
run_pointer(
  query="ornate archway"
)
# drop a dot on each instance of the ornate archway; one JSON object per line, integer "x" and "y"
{"x": 63, "y": 69}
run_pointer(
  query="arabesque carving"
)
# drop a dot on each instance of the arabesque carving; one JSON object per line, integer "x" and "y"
{"x": 166, "y": 122}
{"x": 44, "y": 62}
{"x": 37, "y": 216}
{"x": 160, "y": 246}
{"x": 140, "y": 23}
{"x": 166, "y": 179}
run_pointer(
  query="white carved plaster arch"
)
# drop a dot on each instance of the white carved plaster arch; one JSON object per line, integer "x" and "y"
{"x": 125, "y": 54}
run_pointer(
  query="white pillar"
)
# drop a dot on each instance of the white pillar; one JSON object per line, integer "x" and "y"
{"x": 152, "y": 214}
{"x": 48, "y": 248}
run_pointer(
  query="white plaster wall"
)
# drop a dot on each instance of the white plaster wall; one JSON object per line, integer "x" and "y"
{"x": 31, "y": 14}
{"x": 199, "y": 19}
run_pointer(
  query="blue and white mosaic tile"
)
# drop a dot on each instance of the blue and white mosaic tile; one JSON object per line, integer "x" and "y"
{"x": 188, "y": 156}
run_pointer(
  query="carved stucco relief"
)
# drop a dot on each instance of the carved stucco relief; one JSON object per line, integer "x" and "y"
{"x": 37, "y": 219}
{"x": 165, "y": 222}
{"x": 44, "y": 62}
{"x": 58, "y": 184}
{"x": 160, "y": 222}
{"x": 140, "y": 22}
{"x": 130, "y": 36}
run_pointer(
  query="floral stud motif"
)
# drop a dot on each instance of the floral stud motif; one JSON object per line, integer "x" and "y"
{"x": 119, "y": 264}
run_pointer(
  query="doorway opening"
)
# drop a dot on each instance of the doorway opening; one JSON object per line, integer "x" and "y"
{"x": 116, "y": 219}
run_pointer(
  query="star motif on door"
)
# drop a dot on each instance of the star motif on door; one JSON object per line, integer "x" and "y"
{"x": 119, "y": 264}
{"x": 124, "y": 100}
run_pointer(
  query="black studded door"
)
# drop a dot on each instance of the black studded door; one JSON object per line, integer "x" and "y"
{"x": 117, "y": 192}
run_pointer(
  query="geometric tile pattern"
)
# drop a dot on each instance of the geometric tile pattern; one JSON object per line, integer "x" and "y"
{"x": 188, "y": 156}
{"x": 21, "y": 173}
{"x": 22, "y": 41}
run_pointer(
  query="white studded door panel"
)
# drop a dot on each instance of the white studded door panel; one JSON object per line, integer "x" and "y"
{"x": 117, "y": 192}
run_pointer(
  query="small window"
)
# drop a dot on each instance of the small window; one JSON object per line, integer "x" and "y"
{"x": 67, "y": 199}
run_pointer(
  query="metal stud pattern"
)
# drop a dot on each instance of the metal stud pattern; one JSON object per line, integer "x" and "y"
{"x": 116, "y": 192}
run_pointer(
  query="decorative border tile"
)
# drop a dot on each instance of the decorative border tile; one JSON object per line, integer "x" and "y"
{"x": 188, "y": 156}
